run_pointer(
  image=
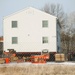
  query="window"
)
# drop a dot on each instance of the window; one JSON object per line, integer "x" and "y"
{"x": 14, "y": 40}
{"x": 14, "y": 24}
{"x": 45, "y": 23}
{"x": 45, "y": 39}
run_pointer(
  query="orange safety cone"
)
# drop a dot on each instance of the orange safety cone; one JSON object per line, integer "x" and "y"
{"x": 7, "y": 60}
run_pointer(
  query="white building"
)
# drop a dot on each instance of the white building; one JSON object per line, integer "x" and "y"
{"x": 31, "y": 30}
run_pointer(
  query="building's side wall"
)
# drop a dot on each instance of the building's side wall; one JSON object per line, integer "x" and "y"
{"x": 30, "y": 32}
{"x": 58, "y": 38}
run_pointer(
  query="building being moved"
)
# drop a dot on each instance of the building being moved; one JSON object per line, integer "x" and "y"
{"x": 31, "y": 30}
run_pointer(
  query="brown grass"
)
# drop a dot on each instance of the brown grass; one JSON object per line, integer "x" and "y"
{"x": 38, "y": 70}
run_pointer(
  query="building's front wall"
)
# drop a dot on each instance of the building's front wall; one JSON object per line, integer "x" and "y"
{"x": 30, "y": 31}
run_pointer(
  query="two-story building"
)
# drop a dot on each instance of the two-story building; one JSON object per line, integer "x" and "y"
{"x": 31, "y": 30}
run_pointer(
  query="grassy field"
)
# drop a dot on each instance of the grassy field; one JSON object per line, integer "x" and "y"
{"x": 45, "y": 69}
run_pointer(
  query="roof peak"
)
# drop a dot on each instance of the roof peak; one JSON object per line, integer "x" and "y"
{"x": 24, "y": 10}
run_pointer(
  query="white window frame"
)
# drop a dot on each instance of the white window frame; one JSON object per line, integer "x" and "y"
{"x": 45, "y": 23}
{"x": 14, "y": 40}
{"x": 14, "y": 22}
{"x": 45, "y": 40}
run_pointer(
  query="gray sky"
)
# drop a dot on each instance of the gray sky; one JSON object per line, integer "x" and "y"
{"x": 9, "y": 6}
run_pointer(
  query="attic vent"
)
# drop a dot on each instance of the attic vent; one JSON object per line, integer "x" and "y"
{"x": 30, "y": 12}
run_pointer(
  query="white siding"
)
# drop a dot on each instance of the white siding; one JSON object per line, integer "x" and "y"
{"x": 30, "y": 31}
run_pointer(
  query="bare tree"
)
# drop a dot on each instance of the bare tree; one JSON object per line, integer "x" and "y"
{"x": 56, "y": 10}
{"x": 71, "y": 30}
{"x": 70, "y": 24}
{"x": 69, "y": 36}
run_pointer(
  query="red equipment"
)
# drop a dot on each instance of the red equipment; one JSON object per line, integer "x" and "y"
{"x": 39, "y": 58}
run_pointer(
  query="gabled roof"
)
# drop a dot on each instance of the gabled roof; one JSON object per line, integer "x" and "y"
{"x": 27, "y": 9}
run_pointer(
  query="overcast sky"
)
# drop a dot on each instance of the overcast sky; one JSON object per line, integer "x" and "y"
{"x": 9, "y": 6}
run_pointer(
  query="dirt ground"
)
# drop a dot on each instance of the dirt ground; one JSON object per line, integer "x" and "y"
{"x": 37, "y": 69}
